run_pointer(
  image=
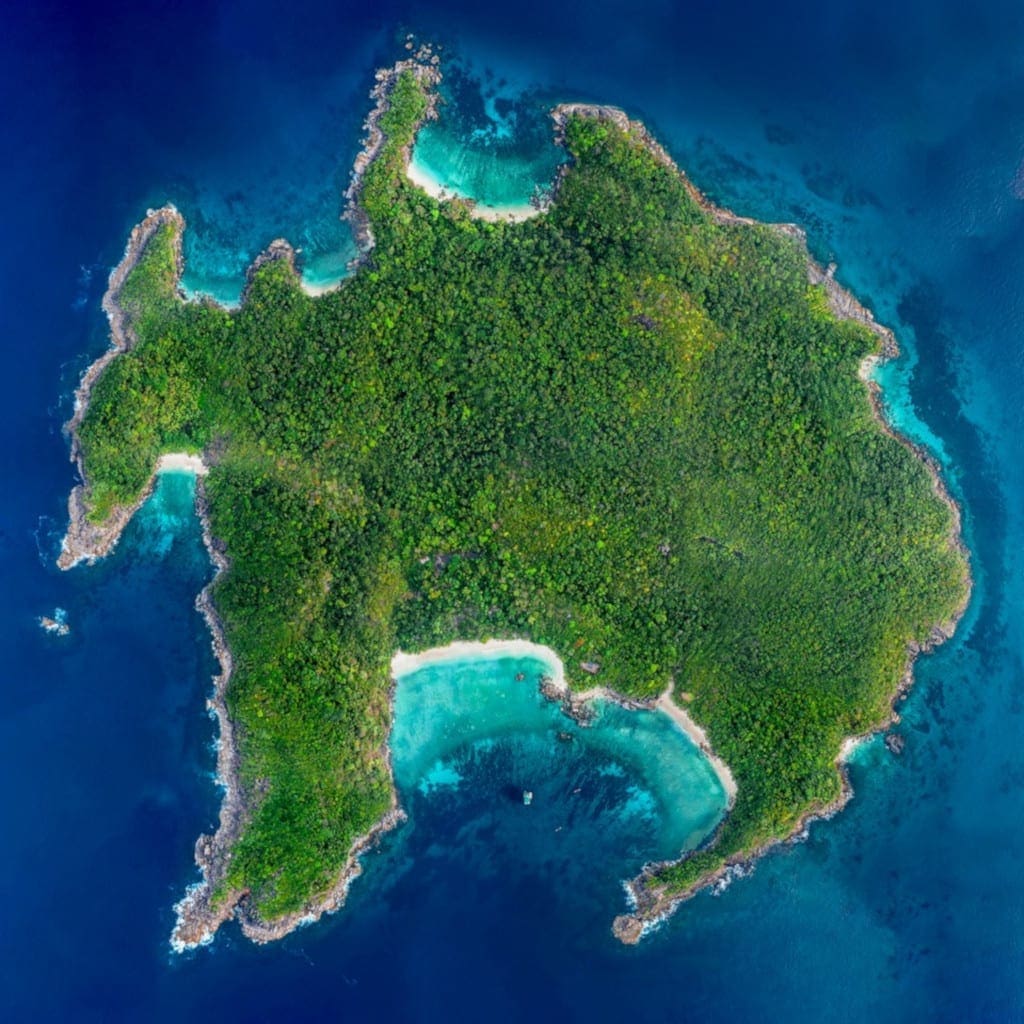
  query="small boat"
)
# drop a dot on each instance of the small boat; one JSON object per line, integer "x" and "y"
{"x": 527, "y": 797}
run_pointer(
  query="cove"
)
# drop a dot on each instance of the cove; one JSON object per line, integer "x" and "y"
{"x": 472, "y": 730}
{"x": 476, "y": 724}
{"x": 493, "y": 144}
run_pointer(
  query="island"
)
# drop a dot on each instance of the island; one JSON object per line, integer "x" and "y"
{"x": 633, "y": 428}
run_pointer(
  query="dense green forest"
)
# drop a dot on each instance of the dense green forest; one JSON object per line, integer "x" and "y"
{"x": 621, "y": 429}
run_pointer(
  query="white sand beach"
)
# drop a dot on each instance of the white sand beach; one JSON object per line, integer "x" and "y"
{"x": 404, "y": 664}
{"x": 182, "y": 462}
{"x": 316, "y": 288}
{"x": 425, "y": 179}
{"x": 697, "y": 734}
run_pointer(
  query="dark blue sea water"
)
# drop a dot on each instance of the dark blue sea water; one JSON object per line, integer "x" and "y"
{"x": 893, "y": 131}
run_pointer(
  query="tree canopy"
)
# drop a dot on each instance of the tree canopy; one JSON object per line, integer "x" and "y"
{"x": 623, "y": 429}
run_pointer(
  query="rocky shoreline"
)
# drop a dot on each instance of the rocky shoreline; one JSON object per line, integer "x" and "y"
{"x": 424, "y": 65}
{"x": 86, "y": 541}
{"x": 651, "y": 901}
{"x": 197, "y": 919}
{"x": 197, "y": 916}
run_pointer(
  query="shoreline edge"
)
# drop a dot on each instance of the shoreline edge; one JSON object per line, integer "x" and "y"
{"x": 197, "y": 916}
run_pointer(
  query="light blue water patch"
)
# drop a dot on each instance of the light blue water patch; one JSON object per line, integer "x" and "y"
{"x": 326, "y": 264}
{"x": 218, "y": 267}
{"x": 894, "y": 378}
{"x": 484, "y": 723}
{"x": 492, "y": 143}
{"x": 167, "y": 514}
{"x": 442, "y": 774}
{"x": 481, "y": 168}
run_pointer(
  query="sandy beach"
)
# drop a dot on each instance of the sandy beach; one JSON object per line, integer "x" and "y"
{"x": 321, "y": 287}
{"x": 182, "y": 462}
{"x": 404, "y": 664}
{"x": 696, "y": 733}
{"x": 425, "y": 179}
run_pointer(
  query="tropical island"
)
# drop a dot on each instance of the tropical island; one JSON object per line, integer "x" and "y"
{"x": 634, "y": 428}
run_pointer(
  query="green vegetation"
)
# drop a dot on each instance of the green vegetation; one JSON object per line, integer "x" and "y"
{"x": 620, "y": 429}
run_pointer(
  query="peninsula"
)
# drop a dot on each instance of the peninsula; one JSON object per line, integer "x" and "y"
{"x": 633, "y": 428}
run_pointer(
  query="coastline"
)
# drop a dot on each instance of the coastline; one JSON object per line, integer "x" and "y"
{"x": 509, "y": 213}
{"x": 197, "y": 917}
{"x": 700, "y": 739}
{"x": 86, "y": 541}
{"x": 424, "y": 65}
{"x": 555, "y": 687}
{"x": 404, "y": 663}
{"x": 650, "y": 900}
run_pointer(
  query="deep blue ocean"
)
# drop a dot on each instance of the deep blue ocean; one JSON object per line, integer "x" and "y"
{"x": 894, "y": 132}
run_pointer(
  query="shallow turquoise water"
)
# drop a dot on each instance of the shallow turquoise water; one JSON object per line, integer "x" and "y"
{"x": 478, "y": 168}
{"x": 471, "y": 723}
{"x": 166, "y": 517}
{"x": 493, "y": 141}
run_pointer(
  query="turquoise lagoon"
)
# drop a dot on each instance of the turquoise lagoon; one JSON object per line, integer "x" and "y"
{"x": 480, "y": 723}
{"x": 483, "y": 167}
{"x": 492, "y": 143}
